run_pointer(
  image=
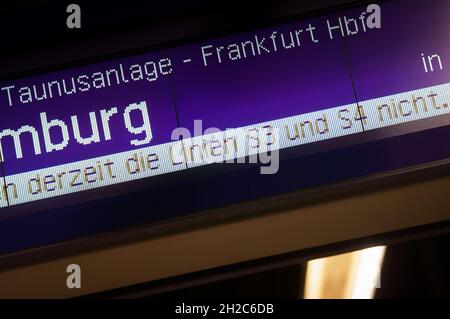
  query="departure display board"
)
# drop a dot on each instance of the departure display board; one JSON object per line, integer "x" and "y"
{"x": 368, "y": 74}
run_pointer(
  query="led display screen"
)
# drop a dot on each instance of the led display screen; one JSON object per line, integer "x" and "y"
{"x": 345, "y": 95}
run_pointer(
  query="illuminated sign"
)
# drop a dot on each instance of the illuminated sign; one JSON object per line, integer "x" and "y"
{"x": 225, "y": 99}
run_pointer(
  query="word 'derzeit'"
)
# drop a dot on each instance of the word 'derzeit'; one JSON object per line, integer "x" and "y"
{"x": 59, "y": 180}
{"x": 99, "y": 122}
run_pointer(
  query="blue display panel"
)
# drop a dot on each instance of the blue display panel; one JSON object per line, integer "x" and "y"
{"x": 170, "y": 133}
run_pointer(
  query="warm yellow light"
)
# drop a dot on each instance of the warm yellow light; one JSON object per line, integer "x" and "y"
{"x": 351, "y": 275}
